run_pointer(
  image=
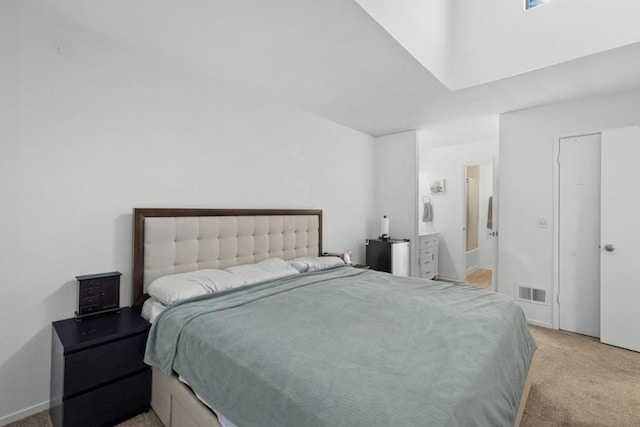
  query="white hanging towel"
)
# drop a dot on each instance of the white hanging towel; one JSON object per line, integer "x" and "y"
{"x": 427, "y": 215}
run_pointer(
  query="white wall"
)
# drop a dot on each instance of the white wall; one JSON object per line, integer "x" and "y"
{"x": 90, "y": 129}
{"x": 448, "y": 162}
{"x": 396, "y": 180}
{"x": 526, "y": 185}
{"x": 494, "y": 39}
{"x": 465, "y": 43}
{"x": 423, "y": 28}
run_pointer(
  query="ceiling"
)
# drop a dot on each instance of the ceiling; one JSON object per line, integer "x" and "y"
{"x": 331, "y": 58}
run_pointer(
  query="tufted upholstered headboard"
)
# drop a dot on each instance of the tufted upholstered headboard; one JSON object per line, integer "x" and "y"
{"x": 168, "y": 241}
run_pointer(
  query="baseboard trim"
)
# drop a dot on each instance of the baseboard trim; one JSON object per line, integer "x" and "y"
{"x": 539, "y": 323}
{"x": 23, "y": 413}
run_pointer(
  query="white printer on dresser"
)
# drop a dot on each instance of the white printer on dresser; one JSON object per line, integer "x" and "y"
{"x": 428, "y": 255}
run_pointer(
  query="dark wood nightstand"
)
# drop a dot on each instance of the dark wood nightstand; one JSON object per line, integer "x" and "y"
{"x": 98, "y": 376}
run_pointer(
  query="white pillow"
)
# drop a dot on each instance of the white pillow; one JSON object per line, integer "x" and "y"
{"x": 176, "y": 287}
{"x": 268, "y": 269}
{"x": 314, "y": 263}
{"x": 151, "y": 309}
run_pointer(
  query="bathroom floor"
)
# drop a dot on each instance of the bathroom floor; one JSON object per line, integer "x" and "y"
{"x": 480, "y": 277}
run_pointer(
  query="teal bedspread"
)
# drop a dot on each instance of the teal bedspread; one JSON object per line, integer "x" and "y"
{"x": 349, "y": 347}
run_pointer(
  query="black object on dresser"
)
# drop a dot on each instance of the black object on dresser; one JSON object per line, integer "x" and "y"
{"x": 98, "y": 377}
{"x": 98, "y": 293}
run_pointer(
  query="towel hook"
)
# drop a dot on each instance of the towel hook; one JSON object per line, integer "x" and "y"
{"x": 426, "y": 199}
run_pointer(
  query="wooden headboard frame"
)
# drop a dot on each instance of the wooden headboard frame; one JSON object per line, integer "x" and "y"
{"x": 141, "y": 214}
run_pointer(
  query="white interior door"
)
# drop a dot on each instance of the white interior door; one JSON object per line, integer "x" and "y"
{"x": 620, "y": 264}
{"x": 579, "y": 234}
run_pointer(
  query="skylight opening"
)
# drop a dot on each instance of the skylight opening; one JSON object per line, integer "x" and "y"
{"x": 530, "y": 4}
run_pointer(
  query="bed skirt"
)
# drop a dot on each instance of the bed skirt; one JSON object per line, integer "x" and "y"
{"x": 177, "y": 406}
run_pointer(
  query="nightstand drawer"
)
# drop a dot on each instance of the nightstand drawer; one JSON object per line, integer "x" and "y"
{"x": 110, "y": 404}
{"x": 88, "y": 368}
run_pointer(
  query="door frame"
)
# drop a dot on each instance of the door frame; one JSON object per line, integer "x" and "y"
{"x": 463, "y": 235}
{"x": 496, "y": 223}
{"x": 493, "y": 162}
{"x": 555, "y": 308}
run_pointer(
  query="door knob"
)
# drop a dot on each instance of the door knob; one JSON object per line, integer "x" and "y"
{"x": 609, "y": 248}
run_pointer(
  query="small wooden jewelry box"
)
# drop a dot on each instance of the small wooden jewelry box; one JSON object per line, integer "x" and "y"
{"x": 98, "y": 293}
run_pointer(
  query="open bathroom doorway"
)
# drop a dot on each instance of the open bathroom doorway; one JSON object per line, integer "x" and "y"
{"x": 479, "y": 229}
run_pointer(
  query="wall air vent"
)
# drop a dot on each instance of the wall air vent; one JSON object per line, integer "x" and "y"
{"x": 539, "y": 295}
{"x": 534, "y": 295}
{"x": 524, "y": 293}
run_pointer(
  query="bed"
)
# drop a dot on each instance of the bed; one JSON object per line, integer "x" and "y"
{"x": 339, "y": 346}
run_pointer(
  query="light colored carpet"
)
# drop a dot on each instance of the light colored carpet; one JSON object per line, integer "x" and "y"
{"x": 577, "y": 382}
{"x": 41, "y": 419}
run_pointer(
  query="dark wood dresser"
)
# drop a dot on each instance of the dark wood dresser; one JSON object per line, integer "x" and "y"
{"x": 98, "y": 377}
